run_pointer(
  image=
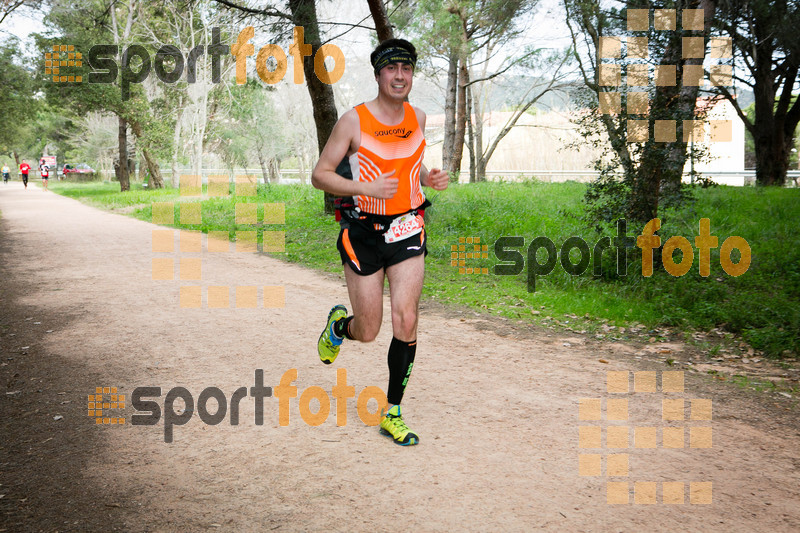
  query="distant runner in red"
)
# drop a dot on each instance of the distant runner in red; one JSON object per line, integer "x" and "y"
{"x": 24, "y": 168}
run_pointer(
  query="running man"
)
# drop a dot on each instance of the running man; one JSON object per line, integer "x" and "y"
{"x": 45, "y": 173}
{"x": 382, "y": 233}
{"x": 24, "y": 168}
{"x": 6, "y": 173}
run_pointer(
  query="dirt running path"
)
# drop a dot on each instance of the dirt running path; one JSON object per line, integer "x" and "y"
{"x": 497, "y": 413}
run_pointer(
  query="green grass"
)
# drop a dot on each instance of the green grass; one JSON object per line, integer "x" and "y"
{"x": 762, "y": 305}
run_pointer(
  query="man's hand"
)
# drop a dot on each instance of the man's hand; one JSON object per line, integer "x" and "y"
{"x": 384, "y": 186}
{"x": 438, "y": 179}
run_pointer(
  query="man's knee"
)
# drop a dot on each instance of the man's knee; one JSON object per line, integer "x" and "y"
{"x": 405, "y": 322}
{"x": 366, "y": 331}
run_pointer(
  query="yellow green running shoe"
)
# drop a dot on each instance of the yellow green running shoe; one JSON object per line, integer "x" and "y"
{"x": 392, "y": 425}
{"x": 329, "y": 343}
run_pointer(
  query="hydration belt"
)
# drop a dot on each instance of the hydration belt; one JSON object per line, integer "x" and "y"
{"x": 346, "y": 210}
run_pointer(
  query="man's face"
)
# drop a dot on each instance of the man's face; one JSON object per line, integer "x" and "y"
{"x": 395, "y": 80}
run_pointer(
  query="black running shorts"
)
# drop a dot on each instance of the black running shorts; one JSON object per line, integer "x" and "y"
{"x": 367, "y": 252}
{"x": 25, "y": 179}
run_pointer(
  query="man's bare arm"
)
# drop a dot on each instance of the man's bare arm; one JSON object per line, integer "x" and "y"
{"x": 324, "y": 175}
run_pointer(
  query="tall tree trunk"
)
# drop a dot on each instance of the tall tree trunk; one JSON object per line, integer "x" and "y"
{"x": 141, "y": 168}
{"x": 772, "y": 158}
{"x": 479, "y": 160}
{"x": 176, "y": 139}
{"x": 156, "y": 181}
{"x": 661, "y": 165}
{"x": 471, "y": 138}
{"x": 273, "y": 170}
{"x": 461, "y": 112}
{"x": 16, "y": 158}
{"x": 448, "y": 163}
{"x": 122, "y": 170}
{"x": 382, "y": 25}
{"x": 304, "y": 14}
{"x": 263, "y": 164}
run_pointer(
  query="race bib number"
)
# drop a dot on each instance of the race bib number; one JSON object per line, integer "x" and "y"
{"x": 404, "y": 227}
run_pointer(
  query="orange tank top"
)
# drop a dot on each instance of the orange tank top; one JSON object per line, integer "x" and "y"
{"x": 383, "y": 149}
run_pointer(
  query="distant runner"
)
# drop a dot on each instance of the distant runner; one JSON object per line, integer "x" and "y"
{"x": 24, "y": 168}
{"x": 44, "y": 171}
{"x": 6, "y": 173}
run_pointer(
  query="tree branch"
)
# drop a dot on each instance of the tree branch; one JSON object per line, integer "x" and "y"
{"x": 269, "y": 12}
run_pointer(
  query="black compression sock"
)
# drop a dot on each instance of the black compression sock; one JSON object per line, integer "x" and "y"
{"x": 342, "y": 328}
{"x": 401, "y": 360}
